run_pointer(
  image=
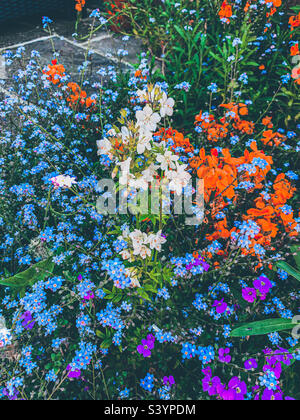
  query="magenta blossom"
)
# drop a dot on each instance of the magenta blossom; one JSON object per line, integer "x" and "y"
{"x": 236, "y": 390}
{"x": 28, "y": 321}
{"x": 270, "y": 395}
{"x": 210, "y": 384}
{"x": 249, "y": 294}
{"x": 274, "y": 366}
{"x": 169, "y": 380}
{"x": 220, "y": 306}
{"x": 73, "y": 374}
{"x": 146, "y": 346}
{"x": 224, "y": 355}
{"x": 250, "y": 364}
{"x": 89, "y": 296}
{"x": 263, "y": 285}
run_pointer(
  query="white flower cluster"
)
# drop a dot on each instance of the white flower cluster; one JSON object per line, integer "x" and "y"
{"x": 5, "y": 336}
{"x": 126, "y": 145}
{"x": 63, "y": 181}
{"x": 141, "y": 244}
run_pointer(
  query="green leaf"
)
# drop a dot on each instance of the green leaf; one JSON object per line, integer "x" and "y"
{"x": 263, "y": 327}
{"x": 296, "y": 250}
{"x": 106, "y": 343}
{"x": 142, "y": 293}
{"x": 29, "y": 277}
{"x": 289, "y": 269}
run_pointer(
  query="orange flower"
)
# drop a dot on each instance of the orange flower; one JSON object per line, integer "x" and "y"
{"x": 295, "y": 50}
{"x": 294, "y": 21}
{"x": 55, "y": 72}
{"x": 296, "y": 74}
{"x": 177, "y": 138}
{"x": 226, "y": 11}
{"x": 267, "y": 122}
{"x": 79, "y": 5}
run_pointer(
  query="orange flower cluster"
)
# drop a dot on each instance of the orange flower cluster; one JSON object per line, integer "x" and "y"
{"x": 294, "y": 21}
{"x": 275, "y": 5}
{"x": 221, "y": 177}
{"x": 211, "y": 128}
{"x": 55, "y": 72}
{"x": 295, "y": 49}
{"x": 79, "y": 96}
{"x": 219, "y": 130}
{"x": 76, "y": 95}
{"x": 79, "y": 5}
{"x": 268, "y": 214}
{"x": 178, "y": 139}
{"x": 139, "y": 75}
{"x": 226, "y": 11}
{"x": 296, "y": 74}
{"x": 271, "y": 138}
{"x": 115, "y": 11}
{"x": 296, "y": 70}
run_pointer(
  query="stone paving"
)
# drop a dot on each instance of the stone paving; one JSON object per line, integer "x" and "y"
{"x": 105, "y": 45}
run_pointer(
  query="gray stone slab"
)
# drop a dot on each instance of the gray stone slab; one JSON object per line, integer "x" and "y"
{"x": 111, "y": 44}
{"x": 71, "y": 55}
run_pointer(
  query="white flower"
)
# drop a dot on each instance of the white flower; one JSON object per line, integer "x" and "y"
{"x": 104, "y": 147}
{"x": 144, "y": 142}
{"x": 138, "y": 238}
{"x": 125, "y": 166}
{"x": 143, "y": 251}
{"x": 179, "y": 179}
{"x": 167, "y": 161}
{"x": 5, "y": 335}
{"x": 125, "y": 254}
{"x": 149, "y": 173}
{"x": 63, "y": 181}
{"x": 143, "y": 95}
{"x": 147, "y": 119}
{"x": 126, "y": 134}
{"x": 126, "y": 178}
{"x": 156, "y": 240}
{"x": 167, "y": 105}
{"x": 138, "y": 183}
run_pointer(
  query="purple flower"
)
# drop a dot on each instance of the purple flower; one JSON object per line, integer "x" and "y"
{"x": 270, "y": 395}
{"x": 224, "y": 356}
{"x": 236, "y": 390}
{"x": 250, "y": 364}
{"x": 146, "y": 346}
{"x": 274, "y": 366}
{"x": 239, "y": 387}
{"x": 220, "y": 306}
{"x": 283, "y": 355}
{"x": 73, "y": 374}
{"x": 249, "y": 294}
{"x": 89, "y": 296}
{"x": 28, "y": 322}
{"x": 263, "y": 285}
{"x": 169, "y": 380}
{"x": 210, "y": 384}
